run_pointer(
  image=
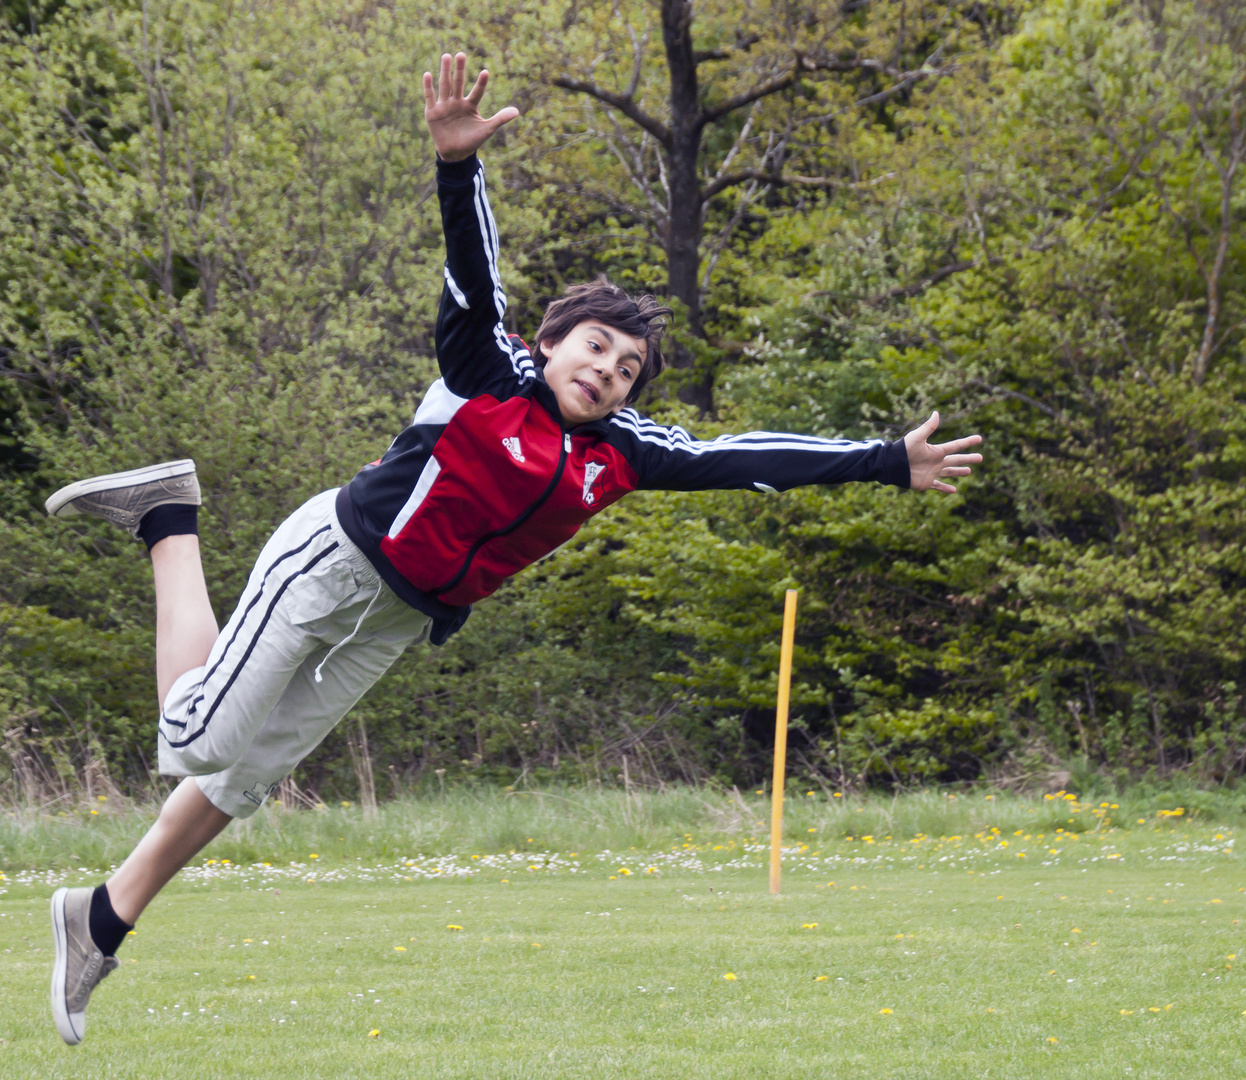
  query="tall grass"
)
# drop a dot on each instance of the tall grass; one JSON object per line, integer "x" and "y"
{"x": 100, "y": 832}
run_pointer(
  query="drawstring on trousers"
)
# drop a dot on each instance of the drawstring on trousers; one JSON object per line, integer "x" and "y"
{"x": 349, "y": 637}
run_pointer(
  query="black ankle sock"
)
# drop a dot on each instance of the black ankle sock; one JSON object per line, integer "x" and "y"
{"x": 107, "y": 929}
{"x": 168, "y": 519}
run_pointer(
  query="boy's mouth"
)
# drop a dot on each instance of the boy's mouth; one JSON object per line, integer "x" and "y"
{"x": 588, "y": 391}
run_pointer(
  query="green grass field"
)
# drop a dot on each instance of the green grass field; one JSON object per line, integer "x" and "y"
{"x": 977, "y": 950}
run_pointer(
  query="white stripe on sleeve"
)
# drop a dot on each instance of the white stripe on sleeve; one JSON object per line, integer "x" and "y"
{"x": 676, "y": 438}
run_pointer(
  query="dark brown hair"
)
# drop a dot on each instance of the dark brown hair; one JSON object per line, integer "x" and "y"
{"x": 641, "y": 317}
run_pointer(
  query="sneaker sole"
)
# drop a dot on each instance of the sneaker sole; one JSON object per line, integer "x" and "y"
{"x": 60, "y": 503}
{"x": 60, "y": 1008}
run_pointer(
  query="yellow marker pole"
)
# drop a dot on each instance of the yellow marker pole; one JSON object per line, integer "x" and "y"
{"x": 780, "y": 736}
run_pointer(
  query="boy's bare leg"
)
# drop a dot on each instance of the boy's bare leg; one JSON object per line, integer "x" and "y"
{"x": 188, "y": 822}
{"x": 185, "y": 625}
{"x": 185, "y": 632}
{"x": 156, "y": 504}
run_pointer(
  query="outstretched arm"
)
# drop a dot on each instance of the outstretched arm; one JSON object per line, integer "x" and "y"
{"x": 473, "y": 347}
{"x": 929, "y": 461}
{"x": 454, "y": 120}
{"x": 668, "y": 458}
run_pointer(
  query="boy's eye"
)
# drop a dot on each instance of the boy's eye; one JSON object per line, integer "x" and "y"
{"x": 626, "y": 372}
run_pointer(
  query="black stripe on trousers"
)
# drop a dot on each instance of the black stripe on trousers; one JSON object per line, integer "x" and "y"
{"x": 238, "y": 629}
{"x": 251, "y": 647}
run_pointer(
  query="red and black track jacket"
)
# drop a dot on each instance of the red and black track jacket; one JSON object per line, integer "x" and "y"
{"x": 488, "y": 478}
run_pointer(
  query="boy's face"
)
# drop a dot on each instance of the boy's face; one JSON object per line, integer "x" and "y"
{"x": 592, "y": 370}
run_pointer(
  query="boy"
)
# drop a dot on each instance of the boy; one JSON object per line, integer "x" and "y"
{"x": 507, "y": 456}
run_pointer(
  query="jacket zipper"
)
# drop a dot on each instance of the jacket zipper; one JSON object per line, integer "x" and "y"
{"x": 532, "y": 509}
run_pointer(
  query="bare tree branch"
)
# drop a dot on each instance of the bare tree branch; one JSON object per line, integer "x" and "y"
{"x": 709, "y": 116}
{"x": 779, "y": 179}
{"x": 739, "y": 141}
{"x": 637, "y": 56}
{"x": 1228, "y": 172}
{"x": 702, "y": 56}
{"x": 903, "y": 79}
{"x": 915, "y": 288}
{"x": 626, "y": 105}
{"x": 1016, "y": 395}
{"x": 724, "y": 236}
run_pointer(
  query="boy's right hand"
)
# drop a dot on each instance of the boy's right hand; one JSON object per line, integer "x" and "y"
{"x": 454, "y": 120}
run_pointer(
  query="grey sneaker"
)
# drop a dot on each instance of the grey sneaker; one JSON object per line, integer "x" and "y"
{"x": 79, "y": 964}
{"x": 124, "y": 497}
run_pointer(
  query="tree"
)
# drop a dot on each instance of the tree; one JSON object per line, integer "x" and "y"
{"x": 729, "y": 114}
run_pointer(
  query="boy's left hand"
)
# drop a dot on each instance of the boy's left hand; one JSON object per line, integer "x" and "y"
{"x": 453, "y": 118}
{"x": 928, "y": 461}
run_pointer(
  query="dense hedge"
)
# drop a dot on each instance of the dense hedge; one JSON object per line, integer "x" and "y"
{"x": 219, "y": 240}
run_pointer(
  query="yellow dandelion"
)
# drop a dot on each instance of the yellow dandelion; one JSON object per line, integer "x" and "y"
{"x": 730, "y": 976}
{"x": 1127, "y": 1012}
{"x": 1052, "y": 1039}
{"x": 809, "y": 926}
{"x": 884, "y": 1012}
{"x": 453, "y": 926}
{"x": 989, "y": 1009}
{"x": 820, "y": 978}
{"x": 400, "y": 948}
{"x": 625, "y": 871}
{"x": 251, "y": 977}
{"x": 536, "y": 944}
{"x": 1153, "y": 1008}
{"x": 374, "y": 1033}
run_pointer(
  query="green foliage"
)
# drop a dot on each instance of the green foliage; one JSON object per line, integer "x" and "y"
{"x": 219, "y": 240}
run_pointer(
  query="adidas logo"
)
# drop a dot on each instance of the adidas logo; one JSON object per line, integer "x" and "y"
{"x": 512, "y": 444}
